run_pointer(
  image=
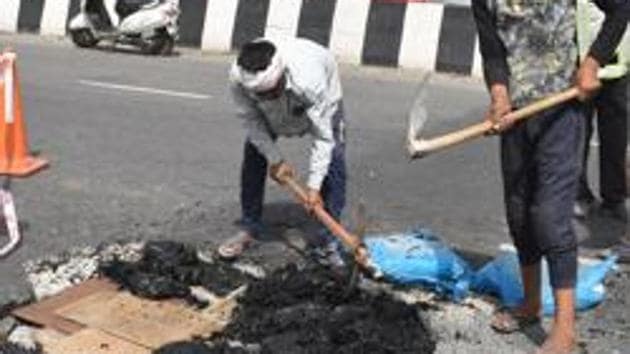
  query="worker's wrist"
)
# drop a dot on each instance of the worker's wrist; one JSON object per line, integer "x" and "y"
{"x": 591, "y": 64}
{"x": 499, "y": 93}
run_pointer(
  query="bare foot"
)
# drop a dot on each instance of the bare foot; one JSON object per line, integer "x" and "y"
{"x": 559, "y": 342}
{"x": 510, "y": 321}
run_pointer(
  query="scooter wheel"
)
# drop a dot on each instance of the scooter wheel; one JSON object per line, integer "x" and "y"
{"x": 161, "y": 43}
{"x": 83, "y": 38}
{"x": 167, "y": 48}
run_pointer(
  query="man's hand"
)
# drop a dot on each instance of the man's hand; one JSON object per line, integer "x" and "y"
{"x": 500, "y": 106}
{"x": 587, "y": 81}
{"x": 313, "y": 199}
{"x": 281, "y": 171}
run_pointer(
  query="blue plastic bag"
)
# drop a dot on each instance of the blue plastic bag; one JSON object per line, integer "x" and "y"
{"x": 418, "y": 257}
{"x": 501, "y": 277}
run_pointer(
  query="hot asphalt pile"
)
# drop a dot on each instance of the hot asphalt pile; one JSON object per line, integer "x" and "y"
{"x": 293, "y": 310}
{"x": 309, "y": 311}
{"x": 168, "y": 269}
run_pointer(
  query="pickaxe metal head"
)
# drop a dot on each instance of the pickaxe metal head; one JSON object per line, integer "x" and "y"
{"x": 417, "y": 118}
{"x": 419, "y": 147}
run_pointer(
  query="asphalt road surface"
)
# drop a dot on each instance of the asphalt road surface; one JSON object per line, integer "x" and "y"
{"x": 149, "y": 147}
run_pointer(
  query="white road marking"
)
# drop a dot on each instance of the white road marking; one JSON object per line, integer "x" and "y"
{"x": 148, "y": 90}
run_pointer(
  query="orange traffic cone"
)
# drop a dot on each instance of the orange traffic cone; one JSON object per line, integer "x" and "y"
{"x": 14, "y": 155}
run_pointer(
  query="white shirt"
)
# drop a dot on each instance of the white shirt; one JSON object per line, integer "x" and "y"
{"x": 307, "y": 106}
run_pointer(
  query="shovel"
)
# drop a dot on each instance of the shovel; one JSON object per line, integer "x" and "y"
{"x": 351, "y": 241}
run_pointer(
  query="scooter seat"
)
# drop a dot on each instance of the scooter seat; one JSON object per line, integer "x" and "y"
{"x": 125, "y": 8}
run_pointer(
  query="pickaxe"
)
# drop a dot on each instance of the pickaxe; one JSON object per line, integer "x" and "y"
{"x": 419, "y": 147}
{"x": 353, "y": 242}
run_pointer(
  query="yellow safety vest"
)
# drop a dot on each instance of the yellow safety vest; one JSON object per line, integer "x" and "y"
{"x": 589, "y": 22}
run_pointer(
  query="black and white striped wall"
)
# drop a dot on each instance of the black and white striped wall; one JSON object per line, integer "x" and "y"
{"x": 401, "y": 33}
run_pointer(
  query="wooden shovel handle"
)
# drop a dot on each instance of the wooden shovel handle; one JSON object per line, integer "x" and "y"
{"x": 348, "y": 239}
{"x": 421, "y": 148}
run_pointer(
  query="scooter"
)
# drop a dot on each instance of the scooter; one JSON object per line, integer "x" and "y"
{"x": 151, "y": 25}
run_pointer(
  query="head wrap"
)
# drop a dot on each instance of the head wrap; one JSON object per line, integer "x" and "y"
{"x": 262, "y": 80}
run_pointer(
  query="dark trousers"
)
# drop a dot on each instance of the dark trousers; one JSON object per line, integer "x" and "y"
{"x": 611, "y": 107}
{"x": 254, "y": 176}
{"x": 540, "y": 164}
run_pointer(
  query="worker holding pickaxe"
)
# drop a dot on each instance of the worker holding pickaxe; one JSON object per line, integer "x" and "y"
{"x": 289, "y": 88}
{"x": 529, "y": 51}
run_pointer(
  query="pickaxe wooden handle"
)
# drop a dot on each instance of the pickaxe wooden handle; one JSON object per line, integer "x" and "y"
{"x": 350, "y": 240}
{"x": 422, "y": 147}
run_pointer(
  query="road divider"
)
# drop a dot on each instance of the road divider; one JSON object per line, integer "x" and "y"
{"x": 402, "y": 33}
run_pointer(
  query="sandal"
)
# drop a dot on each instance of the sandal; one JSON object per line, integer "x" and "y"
{"x": 510, "y": 321}
{"x": 235, "y": 245}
